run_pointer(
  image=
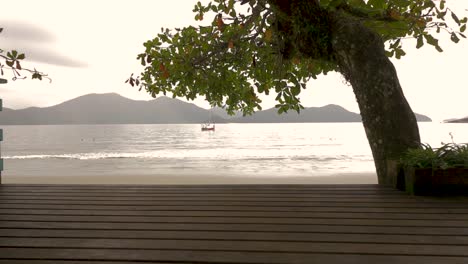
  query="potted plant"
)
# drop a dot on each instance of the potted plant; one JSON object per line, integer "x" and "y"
{"x": 435, "y": 171}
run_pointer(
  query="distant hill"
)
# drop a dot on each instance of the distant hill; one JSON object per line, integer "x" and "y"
{"x": 115, "y": 109}
{"x": 329, "y": 113}
{"x": 422, "y": 118}
{"x": 109, "y": 109}
{"x": 221, "y": 112}
{"x": 455, "y": 120}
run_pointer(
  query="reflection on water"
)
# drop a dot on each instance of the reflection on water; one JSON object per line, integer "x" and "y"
{"x": 254, "y": 149}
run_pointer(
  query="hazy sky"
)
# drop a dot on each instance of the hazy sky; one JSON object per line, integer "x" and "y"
{"x": 90, "y": 46}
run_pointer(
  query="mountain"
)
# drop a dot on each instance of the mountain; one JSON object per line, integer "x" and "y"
{"x": 422, "y": 118}
{"x": 221, "y": 112}
{"x": 109, "y": 109}
{"x": 457, "y": 120}
{"x": 328, "y": 113}
{"x": 115, "y": 109}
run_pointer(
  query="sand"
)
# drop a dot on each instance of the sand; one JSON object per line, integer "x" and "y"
{"x": 344, "y": 178}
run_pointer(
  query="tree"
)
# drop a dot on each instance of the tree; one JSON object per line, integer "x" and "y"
{"x": 11, "y": 61}
{"x": 261, "y": 46}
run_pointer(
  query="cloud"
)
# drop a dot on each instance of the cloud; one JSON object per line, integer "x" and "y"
{"x": 16, "y": 30}
{"x": 34, "y": 42}
{"x": 43, "y": 55}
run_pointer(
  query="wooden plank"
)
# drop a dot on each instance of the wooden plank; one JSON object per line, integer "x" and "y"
{"x": 197, "y": 188}
{"x": 153, "y": 189}
{"x": 217, "y": 256}
{"x": 319, "y": 208}
{"x": 235, "y": 220}
{"x": 235, "y": 245}
{"x": 194, "y": 188}
{"x": 246, "y": 204}
{"x": 235, "y": 227}
{"x": 55, "y": 261}
{"x": 72, "y": 214}
{"x": 324, "y": 198}
{"x": 277, "y": 188}
{"x": 229, "y": 224}
{"x": 238, "y": 197}
{"x": 201, "y": 191}
{"x": 240, "y": 236}
{"x": 206, "y": 194}
{"x": 86, "y": 196}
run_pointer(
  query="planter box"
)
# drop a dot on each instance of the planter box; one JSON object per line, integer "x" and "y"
{"x": 453, "y": 181}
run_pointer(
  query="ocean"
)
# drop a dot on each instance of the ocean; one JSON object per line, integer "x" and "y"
{"x": 297, "y": 149}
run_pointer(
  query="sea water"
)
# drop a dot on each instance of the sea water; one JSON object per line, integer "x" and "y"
{"x": 296, "y": 149}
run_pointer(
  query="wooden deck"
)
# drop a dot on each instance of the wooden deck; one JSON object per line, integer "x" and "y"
{"x": 228, "y": 224}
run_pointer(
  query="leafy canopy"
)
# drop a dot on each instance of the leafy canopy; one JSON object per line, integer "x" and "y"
{"x": 241, "y": 49}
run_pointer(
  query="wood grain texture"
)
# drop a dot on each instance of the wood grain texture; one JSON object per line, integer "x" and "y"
{"x": 83, "y": 224}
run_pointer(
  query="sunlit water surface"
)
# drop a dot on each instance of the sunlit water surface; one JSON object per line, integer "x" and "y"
{"x": 306, "y": 149}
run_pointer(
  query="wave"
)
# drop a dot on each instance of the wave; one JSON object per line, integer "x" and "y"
{"x": 77, "y": 156}
{"x": 196, "y": 154}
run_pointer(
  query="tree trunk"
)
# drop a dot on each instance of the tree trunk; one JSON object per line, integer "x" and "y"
{"x": 389, "y": 122}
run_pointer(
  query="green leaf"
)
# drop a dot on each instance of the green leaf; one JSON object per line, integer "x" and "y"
{"x": 281, "y": 110}
{"x": 399, "y": 53}
{"x": 233, "y": 13}
{"x": 420, "y": 42}
{"x": 431, "y": 40}
{"x": 295, "y": 90}
{"x": 455, "y": 18}
{"x": 395, "y": 44}
{"x": 21, "y": 56}
{"x": 278, "y": 97}
{"x": 454, "y": 38}
{"x": 463, "y": 28}
{"x": 441, "y": 15}
{"x": 36, "y": 75}
{"x": 358, "y": 3}
{"x": 442, "y": 4}
{"x": 377, "y": 4}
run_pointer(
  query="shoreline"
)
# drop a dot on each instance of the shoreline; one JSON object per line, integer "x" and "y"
{"x": 168, "y": 179}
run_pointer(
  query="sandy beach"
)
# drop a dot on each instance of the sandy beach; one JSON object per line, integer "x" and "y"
{"x": 345, "y": 178}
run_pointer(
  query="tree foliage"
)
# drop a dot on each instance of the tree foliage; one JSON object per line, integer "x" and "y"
{"x": 11, "y": 61}
{"x": 248, "y": 47}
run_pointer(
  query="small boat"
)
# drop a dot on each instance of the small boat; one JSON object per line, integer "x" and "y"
{"x": 208, "y": 127}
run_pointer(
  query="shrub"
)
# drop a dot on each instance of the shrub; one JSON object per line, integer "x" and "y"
{"x": 449, "y": 155}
